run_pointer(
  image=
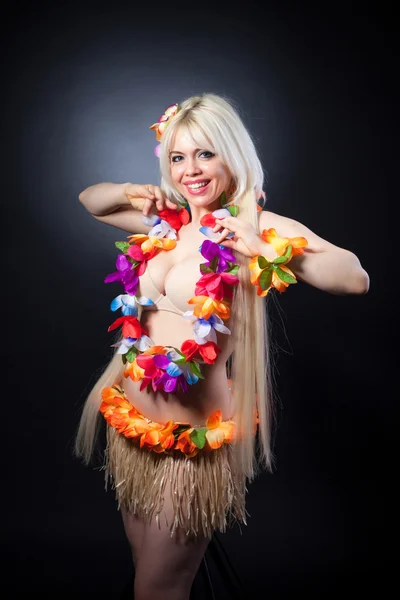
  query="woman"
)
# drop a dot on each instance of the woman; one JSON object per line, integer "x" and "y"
{"x": 181, "y": 440}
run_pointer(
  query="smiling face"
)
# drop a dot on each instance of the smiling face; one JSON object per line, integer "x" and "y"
{"x": 198, "y": 174}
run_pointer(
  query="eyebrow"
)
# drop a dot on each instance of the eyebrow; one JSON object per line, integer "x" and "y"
{"x": 179, "y": 152}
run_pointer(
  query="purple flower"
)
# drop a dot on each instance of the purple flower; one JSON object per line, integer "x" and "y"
{"x": 175, "y": 375}
{"x": 169, "y": 384}
{"x": 210, "y": 250}
{"x": 125, "y": 275}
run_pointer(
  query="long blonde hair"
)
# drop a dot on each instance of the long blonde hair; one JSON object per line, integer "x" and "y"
{"x": 214, "y": 124}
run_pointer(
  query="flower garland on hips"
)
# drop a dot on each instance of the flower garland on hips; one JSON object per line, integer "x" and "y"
{"x": 162, "y": 437}
{"x": 169, "y": 368}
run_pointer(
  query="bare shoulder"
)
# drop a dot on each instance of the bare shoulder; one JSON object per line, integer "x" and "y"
{"x": 268, "y": 219}
{"x": 289, "y": 228}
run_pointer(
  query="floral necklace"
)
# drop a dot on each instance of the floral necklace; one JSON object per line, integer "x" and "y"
{"x": 168, "y": 368}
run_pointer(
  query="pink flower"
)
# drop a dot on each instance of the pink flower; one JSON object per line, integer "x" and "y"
{"x": 216, "y": 285}
{"x": 162, "y": 122}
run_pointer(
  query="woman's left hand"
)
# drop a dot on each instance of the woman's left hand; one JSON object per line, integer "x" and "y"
{"x": 246, "y": 240}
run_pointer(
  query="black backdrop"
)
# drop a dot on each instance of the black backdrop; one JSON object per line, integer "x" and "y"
{"x": 316, "y": 90}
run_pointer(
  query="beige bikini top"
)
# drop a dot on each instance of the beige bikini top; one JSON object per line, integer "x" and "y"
{"x": 179, "y": 286}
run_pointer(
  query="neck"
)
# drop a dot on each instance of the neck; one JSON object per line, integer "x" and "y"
{"x": 199, "y": 211}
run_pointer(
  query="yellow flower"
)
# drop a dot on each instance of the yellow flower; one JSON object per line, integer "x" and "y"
{"x": 280, "y": 244}
{"x": 267, "y": 277}
{"x": 133, "y": 371}
{"x": 150, "y": 244}
{"x": 219, "y": 431}
{"x": 205, "y": 307}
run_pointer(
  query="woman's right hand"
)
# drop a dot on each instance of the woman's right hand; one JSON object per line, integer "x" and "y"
{"x": 144, "y": 196}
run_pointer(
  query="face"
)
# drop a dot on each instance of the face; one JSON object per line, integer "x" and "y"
{"x": 198, "y": 174}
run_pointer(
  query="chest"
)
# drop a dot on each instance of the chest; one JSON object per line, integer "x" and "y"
{"x": 174, "y": 273}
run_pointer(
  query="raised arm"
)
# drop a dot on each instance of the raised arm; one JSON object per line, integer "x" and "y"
{"x": 122, "y": 205}
{"x": 323, "y": 265}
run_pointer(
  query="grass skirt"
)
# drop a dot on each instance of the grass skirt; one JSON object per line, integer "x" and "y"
{"x": 203, "y": 493}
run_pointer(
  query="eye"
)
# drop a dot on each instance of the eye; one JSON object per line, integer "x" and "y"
{"x": 176, "y": 158}
{"x": 207, "y": 152}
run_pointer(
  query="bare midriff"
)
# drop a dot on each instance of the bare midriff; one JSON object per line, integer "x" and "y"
{"x": 171, "y": 329}
{"x": 202, "y": 398}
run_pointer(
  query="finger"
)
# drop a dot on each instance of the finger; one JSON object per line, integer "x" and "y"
{"x": 159, "y": 198}
{"x": 226, "y": 223}
{"x": 223, "y": 235}
{"x": 171, "y": 204}
{"x": 145, "y": 191}
{"x": 233, "y": 223}
{"x": 217, "y": 228}
{"x": 147, "y": 207}
{"x": 229, "y": 243}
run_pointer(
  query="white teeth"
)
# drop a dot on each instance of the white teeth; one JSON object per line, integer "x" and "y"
{"x": 195, "y": 186}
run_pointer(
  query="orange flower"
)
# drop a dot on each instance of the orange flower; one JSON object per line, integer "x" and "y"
{"x": 219, "y": 431}
{"x": 136, "y": 426}
{"x": 275, "y": 281}
{"x": 280, "y": 244}
{"x": 205, "y": 307}
{"x": 155, "y": 242}
{"x": 137, "y": 238}
{"x": 278, "y": 283}
{"x": 155, "y": 350}
{"x": 113, "y": 398}
{"x": 133, "y": 371}
{"x": 157, "y": 439}
{"x": 115, "y": 408}
{"x": 185, "y": 444}
{"x": 149, "y": 245}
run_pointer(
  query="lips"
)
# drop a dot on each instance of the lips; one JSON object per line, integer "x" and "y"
{"x": 198, "y": 191}
{"x": 196, "y": 181}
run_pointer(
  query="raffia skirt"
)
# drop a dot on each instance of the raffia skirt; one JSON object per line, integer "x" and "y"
{"x": 205, "y": 491}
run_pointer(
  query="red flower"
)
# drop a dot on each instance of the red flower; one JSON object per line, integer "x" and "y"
{"x": 176, "y": 218}
{"x": 207, "y": 220}
{"x": 189, "y": 349}
{"x": 208, "y": 351}
{"x": 216, "y": 285}
{"x": 146, "y": 362}
{"x": 130, "y": 327}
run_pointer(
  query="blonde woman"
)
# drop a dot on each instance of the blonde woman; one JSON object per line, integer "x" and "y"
{"x": 181, "y": 428}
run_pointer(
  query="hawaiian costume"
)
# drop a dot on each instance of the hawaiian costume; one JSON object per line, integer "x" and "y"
{"x": 194, "y": 464}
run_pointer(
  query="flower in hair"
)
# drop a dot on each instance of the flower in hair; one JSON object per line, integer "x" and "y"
{"x": 162, "y": 123}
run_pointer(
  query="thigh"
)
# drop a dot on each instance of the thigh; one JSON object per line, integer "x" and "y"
{"x": 134, "y": 530}
{"x": 165, "y": 557}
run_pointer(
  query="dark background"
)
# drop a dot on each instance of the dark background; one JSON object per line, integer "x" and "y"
{"x": 316, "y": 89}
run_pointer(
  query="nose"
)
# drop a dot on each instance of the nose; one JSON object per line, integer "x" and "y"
{"x": 192, "y": 167}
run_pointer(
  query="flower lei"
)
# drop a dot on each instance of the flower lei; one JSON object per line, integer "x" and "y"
{"x": 275, "y": 274}
{"x": 168, "y": 368}
{"x": 161, "y": 437}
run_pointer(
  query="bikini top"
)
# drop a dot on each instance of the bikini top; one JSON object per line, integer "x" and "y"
{"x": 179, "y": 286}
{"x": 161, "y": 301}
